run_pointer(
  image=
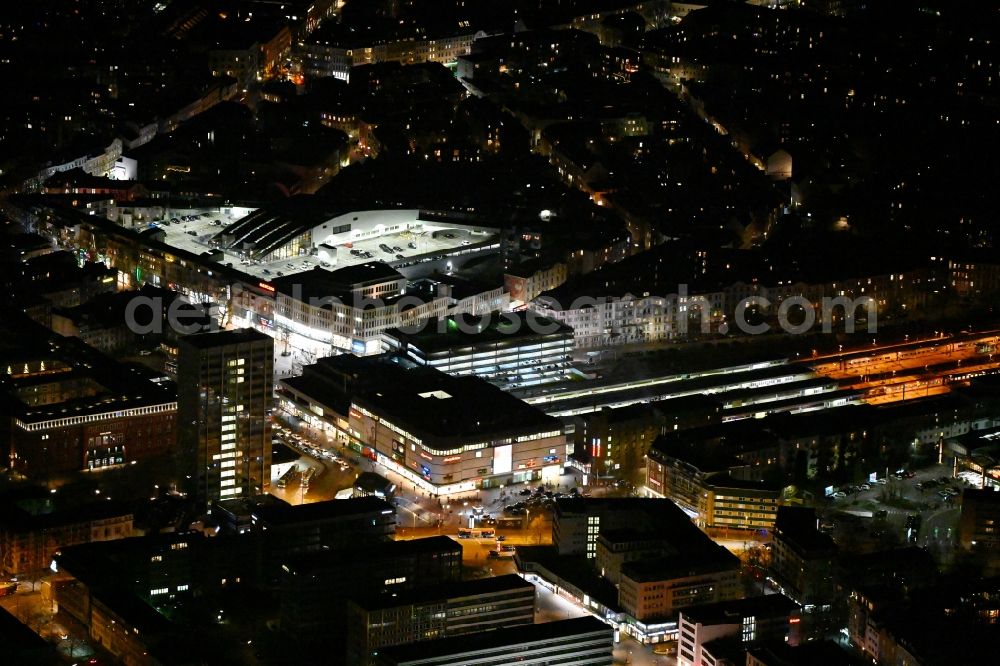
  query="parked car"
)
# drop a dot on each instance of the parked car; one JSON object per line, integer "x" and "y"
{"x": 840, "y": 494}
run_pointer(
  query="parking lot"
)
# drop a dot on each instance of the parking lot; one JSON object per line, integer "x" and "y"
{"x": 919, "y": 507}
{"x": 194, "y": 234}
{"x": 926, "y": 488}
{"x": 404, "y": 245}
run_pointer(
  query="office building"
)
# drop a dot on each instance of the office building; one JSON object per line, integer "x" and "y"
{"x": 225, "y": 395}
{"x": 316, "y": 586}
{"x": 390, "y": 618}
{"x": 746, "y": 621}
{"x": 616, "y": 547}
{"x": 286, "y": 531}
{"x": 979, "y": 525}
{"x": 734, "y": 504}
{"x": 813, "y": 653}
{"x": 679, "y": 462}
{"x": 657, "y": 589}
{"x": 68, "y": 408}
{"x": 583, "y": 641}
{"x": 802, "y": 557}
{"x": 579, "y": 521}
{"x": 32, "y": 530}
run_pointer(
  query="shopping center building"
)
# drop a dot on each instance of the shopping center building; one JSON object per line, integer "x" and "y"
{"x": 442, "y": 433}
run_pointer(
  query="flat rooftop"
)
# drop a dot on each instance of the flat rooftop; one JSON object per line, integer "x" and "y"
{"x": 320, "y": 283}
{"x": 798, "y": 525}
{"x": 498, "y": 639}
{"x": 724, "y": 480}
{"x": 727, "y": 612}
{"x": 450, "y": 333}
{"x": 240, "y": 336}
{"x": 457, "y": 590}
{"x": 434, "y": 405}
{"x": 90, "y": 382}
{"x": 287, "y": 514}
{"x": 42, "y": 514}
{"x": 337, "y": 559}
{"x": 682, "y": 564}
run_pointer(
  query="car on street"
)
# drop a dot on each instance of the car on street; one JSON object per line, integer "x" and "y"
{"x": 840, "y": 494}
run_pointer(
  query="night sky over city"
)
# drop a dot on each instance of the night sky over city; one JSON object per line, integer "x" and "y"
{"x": 500, "y": 332}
